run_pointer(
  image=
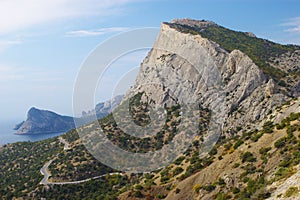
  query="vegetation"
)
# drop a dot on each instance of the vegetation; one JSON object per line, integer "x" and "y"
{"x": 105, "y": 188}
{"x": 259, "y": 50}
{"x": 20, "y": 165}
{"x": 292, "y": 191}
{"x": 248, "y": 157}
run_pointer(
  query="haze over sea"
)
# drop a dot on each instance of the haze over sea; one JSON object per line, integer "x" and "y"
{"x": 7, "y": 134}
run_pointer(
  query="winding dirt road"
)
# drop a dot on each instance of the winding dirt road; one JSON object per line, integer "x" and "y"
{"x": 45, "y": 172}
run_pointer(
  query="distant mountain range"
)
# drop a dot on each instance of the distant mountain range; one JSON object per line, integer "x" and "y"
{"x": 44, "y": 121}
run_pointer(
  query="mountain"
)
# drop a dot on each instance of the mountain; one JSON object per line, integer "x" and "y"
{"x": 246, "y": 85}
{"x": 234, "y": 69}
{"x": 104, "y": 108}
{"x": 43, "y": 121}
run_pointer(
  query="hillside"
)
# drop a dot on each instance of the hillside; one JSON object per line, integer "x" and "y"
{"x": 231, "y": 97}
{"x": 258, "y": 164}
{"x": 268, "y": 156}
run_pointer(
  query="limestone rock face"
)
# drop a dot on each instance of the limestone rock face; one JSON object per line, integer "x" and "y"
{"x": 184, "y": 68}
{"x": 271, "y": 88}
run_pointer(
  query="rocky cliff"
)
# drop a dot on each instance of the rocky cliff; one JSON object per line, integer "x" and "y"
{"x": 43, "y": 121}
{"x": 185, "y": 66}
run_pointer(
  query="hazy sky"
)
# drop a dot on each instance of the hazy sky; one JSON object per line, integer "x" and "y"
{"x": 43, "y": 43}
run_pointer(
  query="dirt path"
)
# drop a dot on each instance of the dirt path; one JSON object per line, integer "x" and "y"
{"x": 45, "y": 171}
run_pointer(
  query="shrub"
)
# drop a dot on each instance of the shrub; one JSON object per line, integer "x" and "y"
{"x": 221, "y": 196}
{"x": 177, "y": 171}
{"x": 236, "y": 165}
{"x": 179, "y": 160}
{"x": 209, "y": 188}
{"x": 290, "y": 130}
{"x": 280, "y": 143}
{"x": 235, "y": 190}
{"x": 292, "y": 191}
{"x": 139, "y": 187}
{"x": 280, "y": 126}
{"x": 161, "y": 196}
{"x": 268, "y": 127}
{"x": 255, "y": 137}
{"x": 227, "y": 146}
{"x": 264, "y": 150}
{"x": 138, "y": 194}
{"x": 221, "y": 182}
{"x": 214, "y": 151}
{"x": 248, "y": 157}
{"x": 283, "y": 173}
{"x": 238, "y": 143}
{"x": 196, "y": 188}
{"x": 177, "y": 190}
{"x": 294, "y": 116}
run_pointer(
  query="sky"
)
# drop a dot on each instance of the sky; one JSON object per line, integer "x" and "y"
{"x": 44, "y": 43}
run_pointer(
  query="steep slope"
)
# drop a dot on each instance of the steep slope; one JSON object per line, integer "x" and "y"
{"x": 260, "y": 164}
{"x": 185, "y": 66}
{"x": 43, "y": 121}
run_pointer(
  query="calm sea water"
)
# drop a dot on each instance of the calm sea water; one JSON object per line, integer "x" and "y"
{"x": 7, "y": 134}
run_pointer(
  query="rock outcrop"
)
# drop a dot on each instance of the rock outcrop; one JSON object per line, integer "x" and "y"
{"x": 43, "y": 121}
{"x": 186, "y": 67}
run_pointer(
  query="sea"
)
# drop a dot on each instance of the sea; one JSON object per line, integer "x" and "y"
{"x": 7, "y": 134}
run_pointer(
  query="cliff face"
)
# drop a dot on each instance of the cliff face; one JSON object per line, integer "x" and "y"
{"x": 256, "y": 86}
{"x": 184, "y": 67}
{"x": 43, "y": 121}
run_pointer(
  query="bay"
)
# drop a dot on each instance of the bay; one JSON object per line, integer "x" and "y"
{"x": 7, "y": 134}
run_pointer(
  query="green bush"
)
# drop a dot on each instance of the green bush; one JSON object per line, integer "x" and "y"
{"x": 294, "y": 116}
{"x": 238, "y": 143}
{"x": 280, "y": 143}
{"x": 256, "y": 137}
{"x": 179, "y": 160}
{"x": 236, "y": 165}
{"x": 248, "y": 157}
{"x": 292, "y": 191}
{"x": 280, "y": 126}
{"x": 214, "y": 151}
{"x": 264, "y": 150}
{"x": 139, "y": 187}
{"x": 268, "y": 127}
{"x": 161, "y": 196}
{"x": 235, "y": 190}
{"x": 138, "y": 194}
{"x": 177, "y": 171}
{"x": 209, "y": 188}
